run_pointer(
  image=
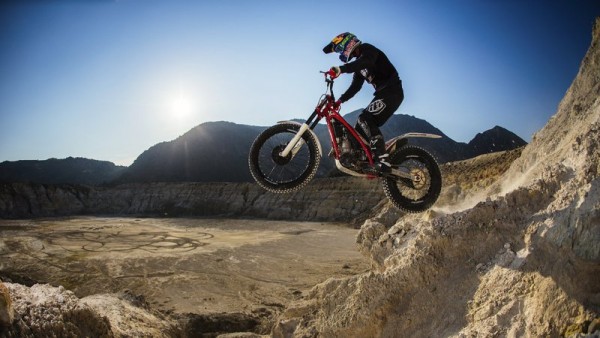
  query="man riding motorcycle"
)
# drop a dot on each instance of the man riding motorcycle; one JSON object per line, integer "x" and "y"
{"x": 373, "y": 66}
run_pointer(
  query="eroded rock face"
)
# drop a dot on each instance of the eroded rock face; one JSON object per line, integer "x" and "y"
{"x": 128, "y": 317}
{"x": 46, "y": 311}
{"x": 42, "y": 311}
{"x": 338, "y": 199}
{"x": 523, "y": 260}
{"x": 7, "y": 312}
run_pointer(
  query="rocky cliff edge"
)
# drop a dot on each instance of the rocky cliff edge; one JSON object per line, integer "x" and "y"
{"x": 522, "y": 260}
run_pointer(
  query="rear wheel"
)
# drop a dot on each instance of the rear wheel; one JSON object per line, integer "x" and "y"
{"x": 421, "y": 191}
{"x": 283, "y": 174}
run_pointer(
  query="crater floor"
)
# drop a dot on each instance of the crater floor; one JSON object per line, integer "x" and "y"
{"x": 180, "y": 265}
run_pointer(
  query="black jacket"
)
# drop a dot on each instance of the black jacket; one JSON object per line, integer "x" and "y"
{"x": 373, "y": 66}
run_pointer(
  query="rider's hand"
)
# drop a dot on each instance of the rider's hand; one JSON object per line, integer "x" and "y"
{"x": 334, "y": 72}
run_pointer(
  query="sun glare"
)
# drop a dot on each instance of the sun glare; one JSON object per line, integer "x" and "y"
{"x": 181, "y": 105}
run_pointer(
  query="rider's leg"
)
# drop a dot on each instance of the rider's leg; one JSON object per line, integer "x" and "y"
{"x": 376, "y": 114}
{"x": 367, "y": 126}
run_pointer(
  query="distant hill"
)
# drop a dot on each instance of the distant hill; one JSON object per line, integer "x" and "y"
{"x": 494, "y": 140}
{"x": 210, "y": 152}
{"x": 218, "y": 152}
{"x": 57, "y": 171}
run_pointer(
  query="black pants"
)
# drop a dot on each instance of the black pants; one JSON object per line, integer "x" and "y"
{"x": 381, "y": 108}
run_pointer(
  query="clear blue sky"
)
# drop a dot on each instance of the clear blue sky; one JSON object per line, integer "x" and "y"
{"x": 109, "y": 79}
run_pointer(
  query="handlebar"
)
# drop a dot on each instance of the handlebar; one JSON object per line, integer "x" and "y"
{"x": 327, "y": 76}
{"x": 329, "y": 81}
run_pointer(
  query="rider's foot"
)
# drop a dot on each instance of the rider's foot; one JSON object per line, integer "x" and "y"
{"x": 382, "y": 165}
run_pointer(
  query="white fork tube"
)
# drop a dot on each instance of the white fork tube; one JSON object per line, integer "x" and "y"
{"x": 297, "y": 148}
{"x": 304, "y": 127}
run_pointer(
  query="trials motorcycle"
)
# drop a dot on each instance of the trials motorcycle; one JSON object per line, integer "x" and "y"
{"x": 286, "y": 156}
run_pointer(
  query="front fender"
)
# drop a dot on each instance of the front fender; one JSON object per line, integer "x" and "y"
{"x": 309, "y": 130}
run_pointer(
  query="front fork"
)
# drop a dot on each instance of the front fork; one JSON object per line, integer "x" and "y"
{"x": 297, "y": 142}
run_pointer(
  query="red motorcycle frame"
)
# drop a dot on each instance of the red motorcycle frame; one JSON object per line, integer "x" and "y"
{"x": 327, "y": 109}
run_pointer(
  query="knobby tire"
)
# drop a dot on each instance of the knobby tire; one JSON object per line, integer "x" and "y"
{"x": 283, "y": 175}
{"x": 406, "y": 197}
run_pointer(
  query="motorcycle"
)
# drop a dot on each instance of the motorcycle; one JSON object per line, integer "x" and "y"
{"x": 286, "y": 156}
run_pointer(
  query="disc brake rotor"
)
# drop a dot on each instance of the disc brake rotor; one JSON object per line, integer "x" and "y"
{"x": 419, "y": 178}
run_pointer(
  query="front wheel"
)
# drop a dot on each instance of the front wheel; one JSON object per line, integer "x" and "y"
{"x": 280, "y": 174}
{"x": 418, "y": 193}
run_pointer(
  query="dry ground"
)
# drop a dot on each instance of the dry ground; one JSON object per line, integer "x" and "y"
{"x": 181, "y": 265}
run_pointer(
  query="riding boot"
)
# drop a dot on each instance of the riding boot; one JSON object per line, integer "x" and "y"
{"x": 380, "y": 156}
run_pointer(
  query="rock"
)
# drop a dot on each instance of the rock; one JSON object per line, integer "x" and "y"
{"x": 7, "y": 312}
{"x": 285, "y": 328}
{"x": 194, "y": 325}
{"x": 133, "y": 299}
{"x": 594, "y": 326}
{"x": 241, "y": 335}
{"x": 372, "y": 239}
{"x": 394, "y": 230}
{"x": 388, "y": 214}
{"x": 129, "y": 315}
{"x": 575, "y": 330}
{"x": 48, "y": 311}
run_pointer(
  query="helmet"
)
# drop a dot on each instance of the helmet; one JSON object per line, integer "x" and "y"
{"x": 343, "y": 44}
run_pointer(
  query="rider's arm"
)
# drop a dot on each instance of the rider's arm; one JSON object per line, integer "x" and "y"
{"x": 355, "y": 86}
{"x": 366, "y": 60}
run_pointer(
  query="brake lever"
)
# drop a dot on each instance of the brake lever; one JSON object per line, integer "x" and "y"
{"x": 328, "y": 80}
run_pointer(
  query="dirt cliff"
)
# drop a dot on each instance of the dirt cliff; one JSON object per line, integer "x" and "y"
{"x": 335, "y": 199}
{"x": 517, "y": 257}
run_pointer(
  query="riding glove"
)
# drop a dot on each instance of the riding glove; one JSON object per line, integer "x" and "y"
{"x": 334, "y": 72}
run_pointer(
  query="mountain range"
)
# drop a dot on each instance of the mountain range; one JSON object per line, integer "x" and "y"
{"x": 61, "y": 171}
{"x": 218, "y": 152}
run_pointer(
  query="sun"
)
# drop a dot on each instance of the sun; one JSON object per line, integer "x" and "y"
{"x": 181, "y": 105}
